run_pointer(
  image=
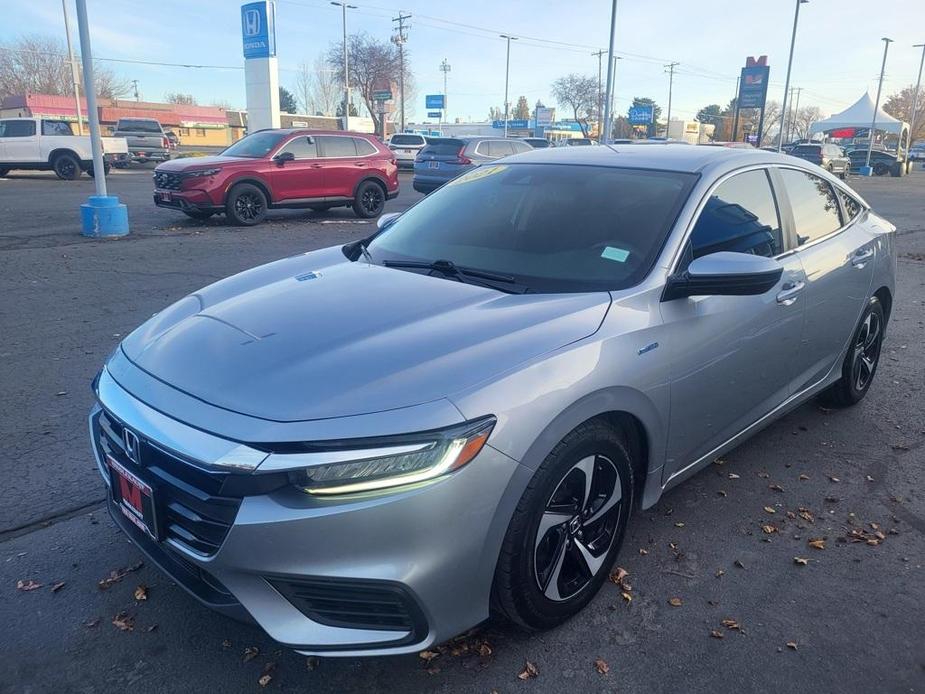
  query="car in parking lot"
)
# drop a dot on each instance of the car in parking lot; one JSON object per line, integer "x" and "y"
{"x": 406, "y": 146}
{"x": 830, "y": 157}
{"x": 285, "y": 168}
{"x": 147, "y": 141}
{"x": 444, "y": 158}
{"x": 370, "y": 448}
{"x": 577, "y": 142}
{"x": 883, "y": 162}
{"x": 49, "y": 144}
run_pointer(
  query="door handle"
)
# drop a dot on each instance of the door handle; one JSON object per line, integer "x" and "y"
{"x": 359, "y": 163}
{"x": 789, "y": 292}
{"x": 860, "y": 258}
{"x": 316, "y": 166}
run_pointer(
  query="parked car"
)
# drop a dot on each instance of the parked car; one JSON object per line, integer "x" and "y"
{"x": 578, "y": 142}
{"x": 733, "y": 145}
{"x": 292, "y": 168}
{"x": 146, "y": 140}
{"x": 173, "y": 140}
{"x": 46, "y": 144}
{"x": 536, "y": 142}
{"x": 882, "y": 161}
{"x": 406, "y": 147}
{"x": 444, "y": 158}
{"x": 917, "y": 152}
{"x": 830, "y": 157}
{"x": 370, "y": 448}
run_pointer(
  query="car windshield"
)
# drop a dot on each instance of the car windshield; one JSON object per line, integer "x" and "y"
{"x": 406, "y": 140}
{"x": 140, "y": 126}
{"x": 254, "y": 146}
{"x": 554, "y": 228}
{"x": 806, "y": 149}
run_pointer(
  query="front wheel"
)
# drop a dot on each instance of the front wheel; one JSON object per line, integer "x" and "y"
{"x": 66, "y": 167}
{"x": 246, "y": 205}
{"x": 861, "y": 362}
{"x": 370, "y": 200}
{"x": 567, "y": 529}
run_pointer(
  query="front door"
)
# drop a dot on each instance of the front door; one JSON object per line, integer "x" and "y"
{"x": 301, "y": 177}
{"x": 732, "y": 356}
{"x": 838, "y": 259}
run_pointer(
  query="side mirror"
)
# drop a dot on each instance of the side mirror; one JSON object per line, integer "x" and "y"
{"x": 283, "y": 157}
{"x": 387, "y": 220}
{"x": 726, "y": 274}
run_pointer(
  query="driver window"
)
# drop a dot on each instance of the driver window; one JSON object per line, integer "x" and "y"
{"x": 301, "y": 148}
{"x": 740, "y": 216}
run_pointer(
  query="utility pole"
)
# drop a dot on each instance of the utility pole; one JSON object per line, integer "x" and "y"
{"x": 74, "y": 74}
{"x": 611, "y": 68}
{"x": 445, "y": 68}
{"x": 670, "y": 67}
{"x": 399, "y": 40}
{"x": 507, "y": 72}
{"x": 344, "y": 7}
{"x": 915, "y": 99}
{"x": 135, "y": 89}
{"x": 793, "y": 40}
{"x": 600, "y": 94}
{"x": 735, "y": 118}
{"x": 866, "y": 171}
{"x": 794, "y": 114}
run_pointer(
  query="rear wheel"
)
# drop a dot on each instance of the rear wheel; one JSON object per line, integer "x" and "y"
{"x": 246, "y": 205}
{"x": 567, "y": 529}
{"x": 369, "y": 201}
{"x": 881, "y": 169}
{"x": 860, "y": 363}
{"x": 66, "y": 167}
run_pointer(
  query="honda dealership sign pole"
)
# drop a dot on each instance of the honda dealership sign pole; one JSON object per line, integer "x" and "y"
{"x": 261, "y": 70}
{"x": 101, "y": 215}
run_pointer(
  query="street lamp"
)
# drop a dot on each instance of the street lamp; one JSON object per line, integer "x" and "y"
{"x": 783, "y": 108}
{"x": 915, "y": 98}
{"x": 507, "y": 71}
{"x": 866, "y": 170}
{"x": 611, "y": 68}
{"x": 344, "y": 7}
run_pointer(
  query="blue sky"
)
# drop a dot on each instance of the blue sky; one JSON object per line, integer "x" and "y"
{"x": 837, "y": 57}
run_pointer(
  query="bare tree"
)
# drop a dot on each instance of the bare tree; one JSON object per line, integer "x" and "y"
{"x": 327, "y": 93}
{"x": 303, "y": 88}
{"x": 39, "y": 65}
{"x": 223, "y": 104}
{"x": 178, "y": 98}
{"x": 899, "y": 105}
{"x": 579, "y": 93}
{"x": 804, "y": 119}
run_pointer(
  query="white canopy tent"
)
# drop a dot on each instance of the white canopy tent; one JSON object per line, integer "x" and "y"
{"x": 860, "y": 115}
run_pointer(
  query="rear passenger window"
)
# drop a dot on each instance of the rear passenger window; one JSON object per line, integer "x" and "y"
{"x": 496, "y": 148}
{"x": 740, "y": 216}
{"x": 852, "y": 207}
{"x": 337, "y": 146}
{"x": 363, "y": 147}
{"x": 301, "y": 148}
{"x": 814, "y": 205}
{"x": 17, "y": 128}
{"x": 55, "y": 127}
{"x": 520, "y": 147}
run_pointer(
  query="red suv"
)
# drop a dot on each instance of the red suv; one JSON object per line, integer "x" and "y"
{"x": 281, "y": 168}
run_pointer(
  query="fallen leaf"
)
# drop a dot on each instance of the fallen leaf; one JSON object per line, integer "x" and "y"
{"x": 816, "y": 542}
{"x": 733, "y": 476}
{"x": 722, "y": 492}
{"x": 427, "y": 656}
{"x": 264, "y": 680}
{"x": 679, "y": 525}
{"x": 717, "y": 634}
{"x": 768, "y": 529}
{"x": 739, "y": 564}
{"x": 792, "y": 645}
{"x": 28, "y": 585}
{"x": 627, "y": 596}
{"x": 58, "y": 586}
{"x": 675, "y": 602}
{"x": 620, "y": 573}
{"x": 643, "y": 551}
{"x": 141, "y": 592}
{"x": 117, "y": 575}
{"x": 834, "y": 479}
{"x": 719, "y": 573}
{"x": 731, "y": 624}
{"x": 92, "y": 622}
{"x": 775, "y": 488}
{"x": 529, "y": 671}
{"x": 602, "y": 666}
{"x": 803, "y": 478}
{"x": 769, "y": 509}
{"x": 250, "y": 653}
{"x": 719, "y": 461}
{"x": 807, "y": 515}
{"x": 484, "y": 649}
{"x": 124, "y": 622}
{"x": 800, "y": 561}
{"x": 763, "y": 475}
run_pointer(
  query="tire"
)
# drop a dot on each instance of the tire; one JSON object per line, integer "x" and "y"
{"x": 107, "y": 167}
{"x": 66, "y": 167}
{"x": 532, "y": 587}
{"x": 881, "y": 169}
{"x": 120, "y": 164}
{"x": 198, "y": 214}
{"x": 246, "y": 205}
{"x": 369, "y": 200}
{"x": 860, "y": 365}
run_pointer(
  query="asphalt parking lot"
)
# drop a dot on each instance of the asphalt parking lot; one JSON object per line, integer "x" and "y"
{"x": 749, "y": 617}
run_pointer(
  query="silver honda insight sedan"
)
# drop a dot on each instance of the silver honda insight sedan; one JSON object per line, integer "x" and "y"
{"x": 370, "y": 448}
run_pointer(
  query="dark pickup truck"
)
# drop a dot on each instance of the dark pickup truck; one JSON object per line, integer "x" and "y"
{"x": 146, "y": 140}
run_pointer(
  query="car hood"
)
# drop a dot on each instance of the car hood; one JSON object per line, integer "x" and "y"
{"x": 317, "y": 336}
{"x": 194, "y": 163}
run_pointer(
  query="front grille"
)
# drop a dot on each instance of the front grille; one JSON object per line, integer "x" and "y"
{"x": 190, "y": 506}
{"x": 164, "y": 180}
{"x": 354, "y": 604}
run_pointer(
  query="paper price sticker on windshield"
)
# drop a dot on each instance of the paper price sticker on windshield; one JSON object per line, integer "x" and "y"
{"x": 617, "y": 254}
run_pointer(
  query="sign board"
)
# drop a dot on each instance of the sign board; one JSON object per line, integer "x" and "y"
{"x": 435, "y": 101}
{"x": 382, "y": 95}
{"x": 753, "y": 86}
{"x": 511, "y": 124}
{"x": 434, "y": 114}
{"x": 299, "y": 124}
{"x": 569, "y": 125}
{"x": 641, "y": 115}
{"x": 545, "y": 116}
{"x": 258, "y": 29}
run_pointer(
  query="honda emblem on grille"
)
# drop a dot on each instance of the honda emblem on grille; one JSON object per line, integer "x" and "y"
{"x": 132, "y": 445}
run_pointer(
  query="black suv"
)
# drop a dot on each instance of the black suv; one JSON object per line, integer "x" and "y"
{"x": 832, "y": 158}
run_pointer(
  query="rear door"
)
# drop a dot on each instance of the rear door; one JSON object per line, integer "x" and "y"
{"x": 19, "y": 143}
{"x": 838, "y": 256}
{"x": 340, "y": 163}
{"x": 303, "y": 177}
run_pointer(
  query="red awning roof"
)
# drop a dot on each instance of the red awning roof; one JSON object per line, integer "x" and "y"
{"x": 111, "y": 111}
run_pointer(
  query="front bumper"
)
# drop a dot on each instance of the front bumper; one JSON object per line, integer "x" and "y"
{"x": 195, "y": 200}
{"x": 301, "y": 567}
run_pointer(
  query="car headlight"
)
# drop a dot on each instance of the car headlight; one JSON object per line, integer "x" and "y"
{"x": 204, "y": 172}
{"x": 393, "y": 462}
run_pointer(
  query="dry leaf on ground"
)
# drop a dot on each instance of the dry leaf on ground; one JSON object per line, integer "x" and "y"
{"x": 124, "y": 622}
{"x": 28, "y": 585}
{"x": 800, "y": 561}
{"x": 250, "y": 653}
{"x": 792, "y": 645}
{"x": 427, "y": 656}
{"x": 816, "y": 542}
{"x": 770, "y": 509}
{"x": 141, "y": 592}
{"x": 529, "y": 671}
{"x": 58, "y": 586}
{"x": 602, "y": 666}
{"x": 675, "y": 602}
{"x": 717, "y": 634}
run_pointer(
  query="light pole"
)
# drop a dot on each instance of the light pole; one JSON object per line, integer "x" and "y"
{"x": 507, "y": 72}
{"x": 613, "y": 96}
{"x": 611, "y": 67}
{"x": 344, "y": 7}
{"x": 671, "y": 67}
{"x": 600, "y": 94}
{"x": 866, "y": 170}
{"x": 783, "y": 108}
{"x": 399, "y": 39}
{"x": 445, "y": 68}
{"x": 915, "y": 98}
{"x": 73, "y": 62}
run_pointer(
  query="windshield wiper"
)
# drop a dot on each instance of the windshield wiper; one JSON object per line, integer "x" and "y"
{"x": 463, "y": 274}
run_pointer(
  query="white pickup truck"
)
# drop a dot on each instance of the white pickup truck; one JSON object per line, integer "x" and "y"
{"x": 48, "y": 144}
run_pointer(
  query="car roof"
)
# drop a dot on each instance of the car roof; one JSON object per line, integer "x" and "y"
{"x": 666, "y": 157}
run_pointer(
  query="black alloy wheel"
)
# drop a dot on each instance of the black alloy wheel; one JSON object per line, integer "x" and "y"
{"x": 66, "y": 167}
{"x": 370, "y": 200}
{"x": 860, "y": 364}
{"x": 246, "y": 205}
